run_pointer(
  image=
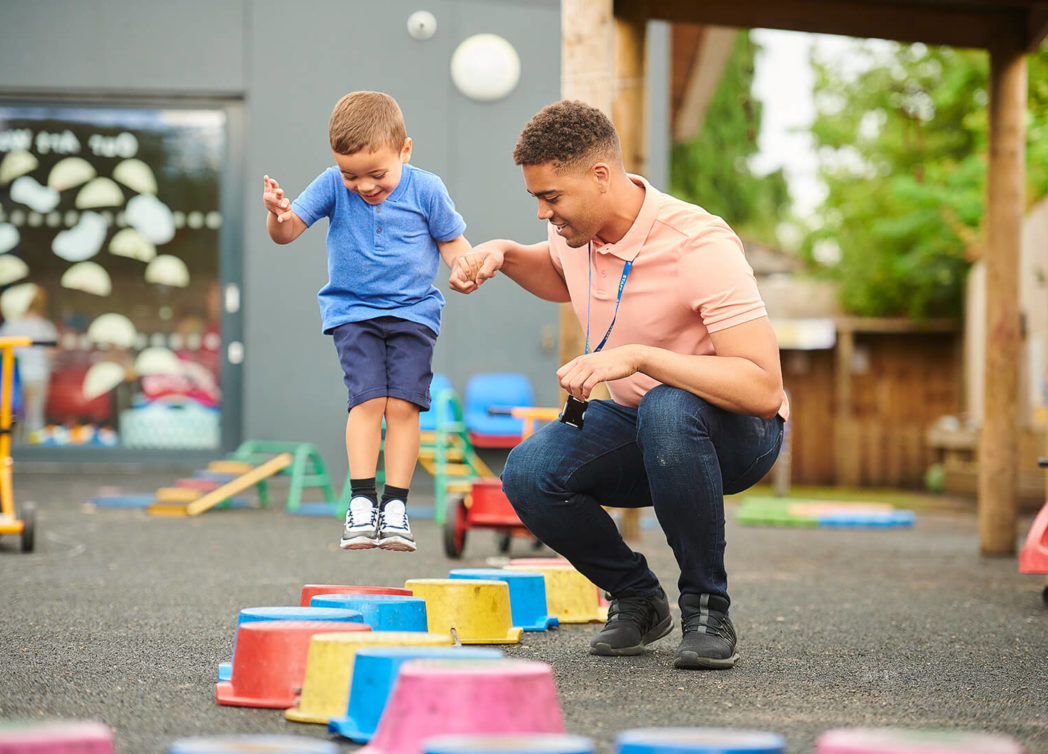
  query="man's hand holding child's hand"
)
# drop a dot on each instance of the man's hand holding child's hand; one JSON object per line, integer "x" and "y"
{"x": 473, "y": 268}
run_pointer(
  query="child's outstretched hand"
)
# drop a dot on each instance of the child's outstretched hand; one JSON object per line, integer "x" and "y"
{"x": 274, "y": 199}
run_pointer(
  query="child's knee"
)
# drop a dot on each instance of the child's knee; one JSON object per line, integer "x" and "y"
{"x": 374, "y": 407}
{"x": 398, "y": 409}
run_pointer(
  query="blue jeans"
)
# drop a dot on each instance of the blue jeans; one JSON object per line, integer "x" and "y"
{"x": 675, "y": 452}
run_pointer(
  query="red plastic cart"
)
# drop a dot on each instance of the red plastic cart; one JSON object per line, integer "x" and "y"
{"x": 485, "y": 506}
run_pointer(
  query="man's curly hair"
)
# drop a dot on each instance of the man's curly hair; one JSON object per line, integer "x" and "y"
{"x": 567, "y": 133}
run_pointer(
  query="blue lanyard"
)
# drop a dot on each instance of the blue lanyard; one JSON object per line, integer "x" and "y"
{"x": 589, "y": 296}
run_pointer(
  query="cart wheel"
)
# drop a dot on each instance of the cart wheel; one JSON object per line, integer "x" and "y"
{"x": 455, "y": 527}
{"x": 502, "y": 540}
{"x": 28, "y": 515}
{"x": 1044, "y": 596}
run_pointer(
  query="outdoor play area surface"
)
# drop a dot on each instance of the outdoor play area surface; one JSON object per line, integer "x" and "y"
{"x": 122, "y": 617}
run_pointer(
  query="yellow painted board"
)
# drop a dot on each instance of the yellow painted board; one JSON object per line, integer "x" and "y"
{"x": 169, "y": 510}
{"x": 452, "y": 454}
{"x": 176, "y": 495}
{"x": 230, "y": 467}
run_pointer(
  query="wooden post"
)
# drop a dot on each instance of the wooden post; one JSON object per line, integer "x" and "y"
{"x": 629, "y": 108}
{"x": 587, "y": 70}
{"x": 629, "y": 113}
{"x": 844, "y": 441}
{"x": 998, "y": 441}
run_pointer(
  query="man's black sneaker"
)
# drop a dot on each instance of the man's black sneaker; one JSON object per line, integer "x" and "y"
{"x": 632, "y": 623}
{"x": 709, "y": 636}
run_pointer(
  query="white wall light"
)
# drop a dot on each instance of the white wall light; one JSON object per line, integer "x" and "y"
{"x": 485, "y": 67}
{"x": 422, "y": 24}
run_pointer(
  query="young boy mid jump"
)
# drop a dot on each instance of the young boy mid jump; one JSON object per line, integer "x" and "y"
{"x": 389, "y": 225}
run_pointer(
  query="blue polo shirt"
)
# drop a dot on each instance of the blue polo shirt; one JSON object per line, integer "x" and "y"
{"x": 383, "y": 258}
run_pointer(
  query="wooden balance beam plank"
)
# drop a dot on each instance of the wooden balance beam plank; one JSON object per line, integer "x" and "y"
{"x": 229, "y": 489}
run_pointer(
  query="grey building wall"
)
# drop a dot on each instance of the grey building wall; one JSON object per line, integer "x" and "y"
{"x": 282, "y": 67}
{"x": 293, "y": 385}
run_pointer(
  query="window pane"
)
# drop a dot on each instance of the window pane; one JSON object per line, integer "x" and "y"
{"x": 109, "y": 244}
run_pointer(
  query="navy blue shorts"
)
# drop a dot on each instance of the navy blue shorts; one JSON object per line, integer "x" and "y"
{"x": 386, "y": 356}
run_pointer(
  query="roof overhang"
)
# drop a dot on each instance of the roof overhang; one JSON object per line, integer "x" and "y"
{"x": 984, "y": 24}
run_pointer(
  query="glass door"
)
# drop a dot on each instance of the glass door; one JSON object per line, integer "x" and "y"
{"x": 113, "y": 248}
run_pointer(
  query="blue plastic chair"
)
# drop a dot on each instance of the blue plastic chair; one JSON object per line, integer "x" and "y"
{"x": 498, "y": 390}
{"x": 438, "y": 388}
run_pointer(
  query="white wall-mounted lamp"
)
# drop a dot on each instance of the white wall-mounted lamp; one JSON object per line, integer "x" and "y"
{"x": 485, "y": 67}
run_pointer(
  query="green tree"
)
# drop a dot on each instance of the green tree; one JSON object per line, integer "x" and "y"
{"x": 712, "y": 170}
{"x": 901, "y": 133}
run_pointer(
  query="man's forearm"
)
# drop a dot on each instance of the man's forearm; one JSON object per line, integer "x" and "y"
{"x": 530, "y": 267}
{"x": 730, "y": 382}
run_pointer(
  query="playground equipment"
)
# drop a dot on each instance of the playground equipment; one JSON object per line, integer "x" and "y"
{"x": 248, "y": 742}
{"x": 507, "y": 743}
{"x": 269, "y": 662}
{"x": 10, "y": 523}
{"x": 47, "y": 736}
{"x": 527, "y": 595}
{"x": 306, "y": 468}
{"x": 252, "y": 464}
{"x": 484, "y": 505}
{"x": 698, "y": 741}
{"x": 375, "y": 671}
{"x": 309, "y": 591}
{"x": 570, "y": 596}
{"x": 329, "y": 669}
{"x": 184, "y": 501}
{"x": 439, "y": 697}
{"x": 912, "y": 741}
{"x": 383, "y": 612}
{"x": 478, "y": 611}
{"x": 773, "y": 511}
{"x": 257, "y": 614}
{"x": 1033, "y": 558}
{"x": 445, "y": 451}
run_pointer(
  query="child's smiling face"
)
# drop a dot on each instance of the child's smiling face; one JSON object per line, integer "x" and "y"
{"x": 373, "y": 176}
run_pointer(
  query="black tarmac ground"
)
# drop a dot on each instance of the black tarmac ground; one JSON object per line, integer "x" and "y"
{"x": 121, "y": 617}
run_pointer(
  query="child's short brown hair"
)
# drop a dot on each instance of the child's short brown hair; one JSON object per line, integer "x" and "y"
{"x": 566, "y": 134}
{"x": 366, "y": 120}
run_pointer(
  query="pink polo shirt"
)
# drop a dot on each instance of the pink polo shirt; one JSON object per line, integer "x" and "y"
{"x": 689, "y": 279}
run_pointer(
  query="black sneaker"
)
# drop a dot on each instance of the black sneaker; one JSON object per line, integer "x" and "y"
{"x": 632, "y": 623}
{"x": 709, "y": 637}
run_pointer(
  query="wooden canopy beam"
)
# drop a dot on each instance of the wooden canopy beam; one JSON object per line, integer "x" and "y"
{"x": 945, "y": 23}
{"x": 1036, "y": 26}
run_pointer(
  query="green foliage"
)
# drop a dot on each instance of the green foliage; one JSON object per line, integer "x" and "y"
{"x": 712, "y": 170}
{"x": 902, "y": 137}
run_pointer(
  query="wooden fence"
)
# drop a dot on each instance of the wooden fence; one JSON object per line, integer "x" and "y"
{"x": 860, "y": 411}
